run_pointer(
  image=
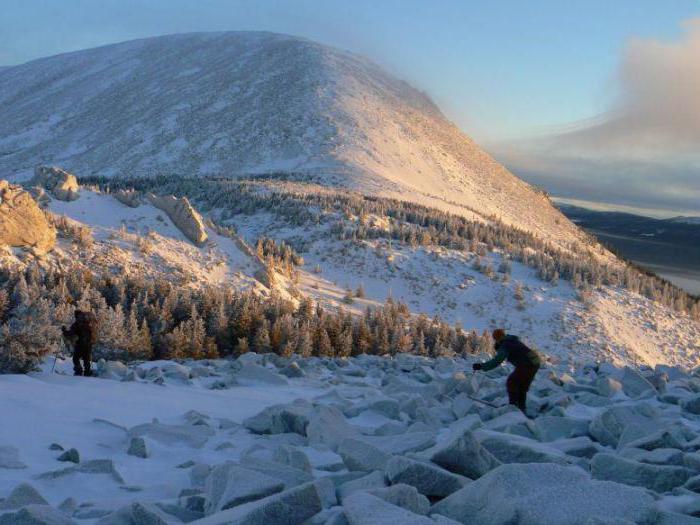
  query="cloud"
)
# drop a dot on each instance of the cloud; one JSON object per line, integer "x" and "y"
{"x": 645, "y": 150}
{"x": 657, "y": 109}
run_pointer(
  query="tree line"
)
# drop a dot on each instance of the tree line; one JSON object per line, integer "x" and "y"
{"x": 143, "y": 319}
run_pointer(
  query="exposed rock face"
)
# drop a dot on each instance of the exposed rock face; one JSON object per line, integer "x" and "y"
{"x": 129, "y": 198}
{"x": 183, "y": 215}
{"x": 62, "y": 185}
{"x": 22, "y": 223}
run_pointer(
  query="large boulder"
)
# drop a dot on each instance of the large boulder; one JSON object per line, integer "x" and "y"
{"x": 137, "y": 512}
{"x": 229, "y": 485}
{"x": 659, "y": 478}
{"x": 404, "y": 496}
{"x": 635, "y": 384}
{"x": 509, "y": 448}
{"x": 22, "y": 223}
{"x": 464, "y": 455}
{"x": 328, "y": 426}
{"x": 552, "y": 428}
{"x": 183, "y": 215}
{"x": 191, "y": 435}
{"x": 363, "y": 508}
{"x": 546, "y": 494}
{"x": 62, "y": 185}
{"x": 608, "y": 425}
{"x": 402, "y": 443}
{"x": 427, "y": 478}
{"x": 280, "y": 419}
{"x": 36, "y": 515}
{"x": 295, "y": 505}
{"x": 359, "y": 455}
{"x": 22, "y": 495}
{"x": 252, "y": 374}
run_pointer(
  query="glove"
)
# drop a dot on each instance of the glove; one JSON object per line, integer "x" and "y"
{"x": 476, "y": 366}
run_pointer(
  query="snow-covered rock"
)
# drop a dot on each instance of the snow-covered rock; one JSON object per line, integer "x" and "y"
{"x": 545, "y": 494}
{"x": 464, "y": 455}
{"x": 229, "y": 485}
{"x": 660, "y": 478}
{"x": 62, "y": 185}
{"x": 427, "y": 478}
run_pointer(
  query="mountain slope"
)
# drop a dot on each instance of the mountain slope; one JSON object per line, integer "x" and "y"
{"x": 234, "y": 103}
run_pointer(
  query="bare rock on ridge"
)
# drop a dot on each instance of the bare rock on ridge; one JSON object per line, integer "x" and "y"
{"x": 183, "y": 215}
{"x": 62, "y": 185}
{"x": 22, "y": 223}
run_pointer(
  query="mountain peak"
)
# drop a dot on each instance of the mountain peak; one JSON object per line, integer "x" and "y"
{"x": 238, "y": 103}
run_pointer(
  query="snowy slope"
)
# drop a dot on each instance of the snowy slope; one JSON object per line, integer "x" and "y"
{"x": 232, "y": 103}
{"x": 143, "y": 241}
{"x": 347, "y": 419}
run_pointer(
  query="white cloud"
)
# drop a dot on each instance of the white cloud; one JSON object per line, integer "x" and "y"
{"x": 645, "y": 150}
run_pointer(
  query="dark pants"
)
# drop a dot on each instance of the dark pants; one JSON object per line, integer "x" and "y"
{"x": 518, "y": 383}
{"x": 84, "y": 355}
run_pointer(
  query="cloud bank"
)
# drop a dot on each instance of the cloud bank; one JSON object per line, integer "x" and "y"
{"x": 645, "y": 150}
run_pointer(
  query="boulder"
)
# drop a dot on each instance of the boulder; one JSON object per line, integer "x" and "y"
{"x": 22, "y": 223}
{"x": 327, "y": 426}
{"x": 517, "y": 449}
{"x": 112, "y": 369}
{"x": 464, "y": 455}
{"x": 279, "y": 419}
{"x": 545, "y": 494}
{"x": 363, "y": 508}
{"x": 373, "y": 480}
{"x": 251, "y": 374}
{"x": 654, "y": 477}
{"x": 71, "y": 455}
{"x": 359, "y": 455}
{"x": 402, "y": 443}
{"x": 194, "y": 436}
{"x": 62, "y": 185}
{"x": 608, "y": 425}
{"x": 608, "y": 387}
{"x": 403, "y": 496}
{"x": 138, "y": 448}
{"x": 658, "y": 456}
{"x": 22, "y": 495}
{"x": 94, "y": 466}
{"x": 551, "y": 428}
{"x": 183, "y": 215}
{"x": 130, "y": 198}
{"x": 290, "y": 476}
{"x": 427, "y": 478}
{"x": 293, "y": 370}
{"x": 137, "y": 513}
{"x": 295, "y": 505}
{"x": 579, "y": 447}
{"x": 229, "y": 485}
{"x": 36, "y": 515}
{"x": 293, "y": 457}
{"x": 635, "y": 384}
{"x": 9, "y": 458}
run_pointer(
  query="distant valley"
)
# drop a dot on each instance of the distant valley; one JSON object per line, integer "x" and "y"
{"x": 668, "y": 247}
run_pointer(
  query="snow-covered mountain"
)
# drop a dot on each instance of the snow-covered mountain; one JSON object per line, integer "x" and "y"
{"x": 246, "y": 102}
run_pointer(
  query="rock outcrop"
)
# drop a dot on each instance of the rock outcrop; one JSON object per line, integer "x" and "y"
{"x": 131, "y": 198}
{"x": 62, "y": 185}
{"x": 22, "y": 223}
{"x": 183, "y": 215}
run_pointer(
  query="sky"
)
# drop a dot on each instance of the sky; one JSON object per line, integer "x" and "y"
{"x": 592, "y": 100}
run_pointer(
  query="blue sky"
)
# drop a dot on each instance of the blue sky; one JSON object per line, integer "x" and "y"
{"x": 503, "y": 71}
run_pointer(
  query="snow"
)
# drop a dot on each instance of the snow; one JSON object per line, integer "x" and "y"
{"x": 94, "y": 414}
{"x": 120, "y": 233}
{"x": 236, "y": 103}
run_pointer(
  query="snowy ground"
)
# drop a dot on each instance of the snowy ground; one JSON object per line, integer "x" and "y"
{"x": 359, "y": 441}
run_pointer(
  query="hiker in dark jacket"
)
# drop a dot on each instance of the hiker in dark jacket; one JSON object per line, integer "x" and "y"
{"x": 84, "y": 332}
{"x": 525, "y": 360}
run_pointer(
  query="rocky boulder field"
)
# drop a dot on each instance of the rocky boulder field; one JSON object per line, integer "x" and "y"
{"x": 361, "y": 441}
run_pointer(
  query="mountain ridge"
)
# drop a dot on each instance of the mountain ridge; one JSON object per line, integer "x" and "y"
{"x": 233, "y": 103}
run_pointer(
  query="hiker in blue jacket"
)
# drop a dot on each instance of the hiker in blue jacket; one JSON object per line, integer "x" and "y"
{"x": 525, "y": 360}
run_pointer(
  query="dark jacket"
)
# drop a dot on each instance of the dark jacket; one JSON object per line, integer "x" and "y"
{"x": 515, "y": 351}
{"x": 85, "y": 330}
